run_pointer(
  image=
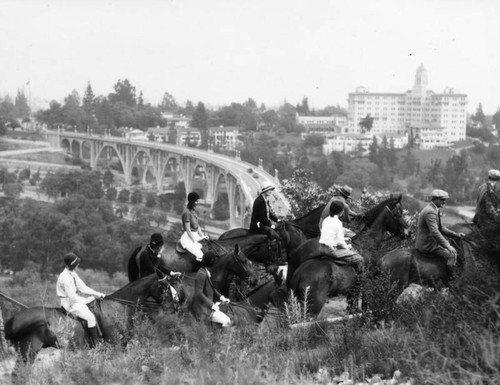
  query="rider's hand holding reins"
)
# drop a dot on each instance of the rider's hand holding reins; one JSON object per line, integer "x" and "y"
{"x": 224, "y": 300}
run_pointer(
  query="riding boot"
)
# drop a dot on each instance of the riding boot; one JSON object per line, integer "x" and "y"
{"x": 93, "y": 337}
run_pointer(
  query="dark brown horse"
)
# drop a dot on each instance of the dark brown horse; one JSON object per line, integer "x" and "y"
{"x": 318, "y": 276}
{"x": 254, "y": 247}
{"x": 387, "y": 216}
{"x": 39, "y": 327}
{"x": 406, "y": 266}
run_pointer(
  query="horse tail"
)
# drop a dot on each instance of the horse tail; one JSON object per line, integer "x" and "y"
{"x": 132, "y": 268}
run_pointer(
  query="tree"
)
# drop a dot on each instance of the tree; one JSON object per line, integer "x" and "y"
{"x": 53, "y": 117}
{"x": 496, "y": 120}
{"x": 150, "y": 200}
{"x": 168, "y": 103}
{"x": 373, "y": 154}
{"x": 303, "y": 108}
{"x": 89, "y": 100}
{"x": 13, "y": 190}
{"x": 111, "y": 193}
{"x": 124, "y": 195}
{"x": 366, "y": 123}
{"x": 479, "y": 117}
{"x": 303, "y": 193}
{"x": 200, "y": 121}
{"x": 124, "y": 92}
{"x": 21, "y": 107}
{"x": 108, "y": 178}
{"x": 136, "y": 197}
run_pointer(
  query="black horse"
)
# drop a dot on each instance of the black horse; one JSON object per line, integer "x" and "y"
{"x": 35, "y": 328}
{"x": 406, "y": 266}
{"x": 318, "y": 277}
{"x": 255, "y": 248}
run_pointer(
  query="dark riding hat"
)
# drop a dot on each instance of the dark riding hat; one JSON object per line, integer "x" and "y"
{"x": 156, "y": 240}
{"x": 335, "y": 208}
{"x": 209, "y": 259}
{"x": 345, "y": 191}
{"x": 494, "y": 175}
{"x": 71, "y": 260}
{"x": 193, "y": 197}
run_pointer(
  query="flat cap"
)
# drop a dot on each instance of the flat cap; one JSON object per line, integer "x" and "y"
{"x": 439, "y": 194}
{"x": 494, "y": 174}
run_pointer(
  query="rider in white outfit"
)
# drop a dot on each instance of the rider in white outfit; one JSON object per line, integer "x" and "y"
{"x": 192, "y": 235}
{"x": 69, "y": 286}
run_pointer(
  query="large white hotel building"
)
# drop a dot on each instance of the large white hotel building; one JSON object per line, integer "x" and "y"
{"x": 429, "y": 119}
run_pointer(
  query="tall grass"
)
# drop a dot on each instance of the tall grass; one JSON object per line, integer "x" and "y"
{"x": 453, "y": 339}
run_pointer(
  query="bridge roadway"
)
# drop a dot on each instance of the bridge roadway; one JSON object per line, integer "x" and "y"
{"x": 250, "y": 184}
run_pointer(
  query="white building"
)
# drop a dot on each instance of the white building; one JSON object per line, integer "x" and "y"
{"x": 226, "y": 138}
{"x": 353, "y": 142}
{"x": 136, "y": 134}
{"x": 419, "y": 112}
{"x": 323, "y": 125}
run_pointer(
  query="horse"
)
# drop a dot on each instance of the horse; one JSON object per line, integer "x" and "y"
{"x": 405, "y": 266}
{"x": 292, "y": 233}
{"x": 386, "y": 216}
{"x": 252, "y": 309}
{"x": 35, "y": 328}
{"x": 311, "y": 270}
{"x": 254, "y": 247}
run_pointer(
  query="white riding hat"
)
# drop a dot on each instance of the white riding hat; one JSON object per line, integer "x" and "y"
{"x": 266, "y": 186}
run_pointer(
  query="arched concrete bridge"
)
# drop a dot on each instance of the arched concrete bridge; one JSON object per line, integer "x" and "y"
{"x": 207, "y": 172}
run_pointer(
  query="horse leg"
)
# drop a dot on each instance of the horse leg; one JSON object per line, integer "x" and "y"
{"x": 27, "y": 349}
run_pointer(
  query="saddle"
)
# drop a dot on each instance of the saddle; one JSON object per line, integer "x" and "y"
{"x": 426, "y": 257}
{"x": 333, "y": 256}
{"x": 92, "y": 307}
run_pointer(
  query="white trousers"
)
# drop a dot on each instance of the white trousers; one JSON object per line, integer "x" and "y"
{"x": 192, "y": 247}
{"x": 81, "y": 310}
{"x": 220, "y": 318}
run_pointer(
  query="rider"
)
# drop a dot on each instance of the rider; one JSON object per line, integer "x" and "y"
{"x": 68, "y": 285}
{"x": 488, "y": 201}
{"x": 204, "y": 305}
{"x": 263, "y": 214}
{"x": 148, "y": 258}
{"x": 341, "y": 196}
{"x": 192, "y": 235}
{"x": 430, "y": 230}
{"x": 332, "y": 235}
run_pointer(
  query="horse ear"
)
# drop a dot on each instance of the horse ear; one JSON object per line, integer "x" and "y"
{"x": 236, "y": 249}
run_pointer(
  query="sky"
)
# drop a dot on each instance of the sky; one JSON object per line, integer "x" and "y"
{"x": 224, "y": 51}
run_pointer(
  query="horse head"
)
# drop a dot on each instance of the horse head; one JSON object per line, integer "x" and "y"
{"x": 396, "y": 222}
{"x": 236, "y": 263}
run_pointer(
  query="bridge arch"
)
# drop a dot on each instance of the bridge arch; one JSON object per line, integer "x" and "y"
{"x": 175, "y": 164}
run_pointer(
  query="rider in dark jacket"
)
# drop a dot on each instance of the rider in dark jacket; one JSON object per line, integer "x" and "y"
{"x": 262, "y": 214}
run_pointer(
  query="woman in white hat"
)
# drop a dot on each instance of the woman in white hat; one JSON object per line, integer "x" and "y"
{"x": 263, "y": 214}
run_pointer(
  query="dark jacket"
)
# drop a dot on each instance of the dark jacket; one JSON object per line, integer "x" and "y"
{"x": 430, "y": 231}
{"x": 204, "y": 295}
{"x": 487, "y": 205}
{"x": 149, "y": 263}
{"x": 262, "y": 214}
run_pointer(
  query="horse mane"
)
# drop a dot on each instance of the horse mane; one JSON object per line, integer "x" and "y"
{"x": 305, "y": 220}
{"x": 132, "y": 289}
{"x": 132, "y": 268}
{"x": 369, "y": 216}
